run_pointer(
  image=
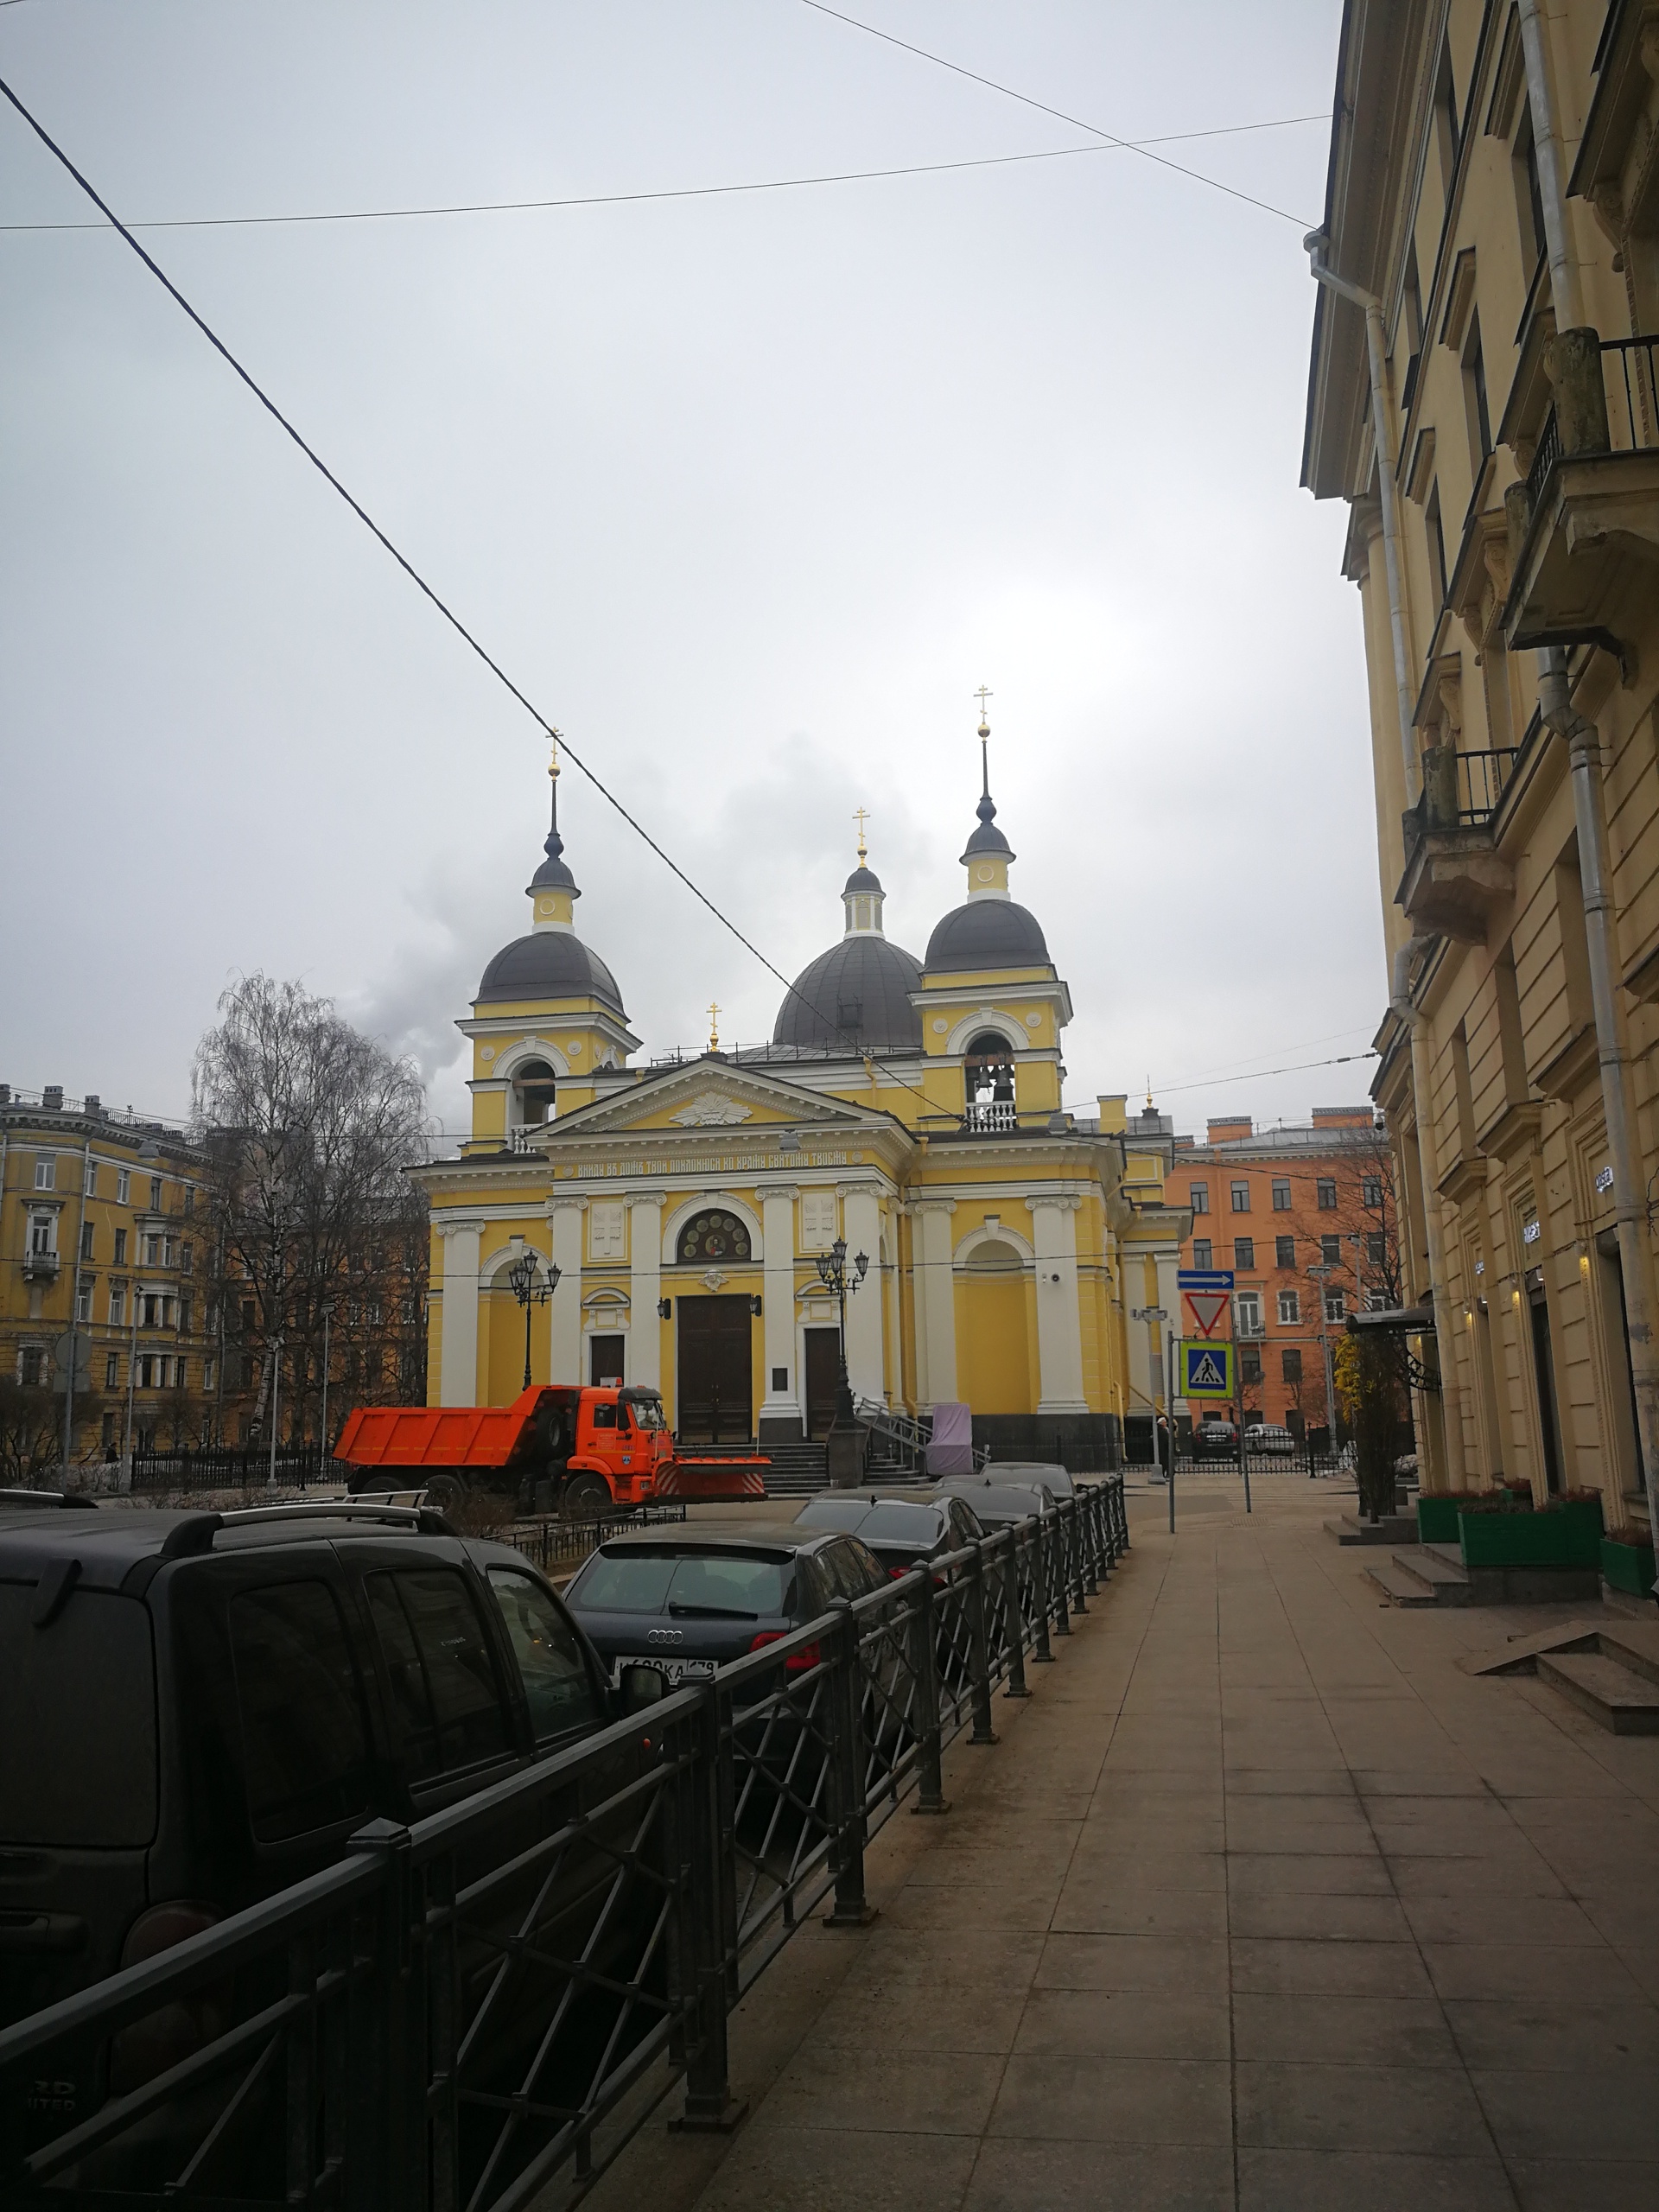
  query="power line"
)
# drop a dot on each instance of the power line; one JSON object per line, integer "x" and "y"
{"x": 682, "y": 191}
{"x": 1168, "y": 1090}
{"x": 415, "y": 576}
{"x": 1129, "y": 145}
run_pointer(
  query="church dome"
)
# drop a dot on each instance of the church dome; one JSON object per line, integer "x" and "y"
{"x": 987, "y": 933}
{"x": 549, "y": 964}
{"x": 855, "y": 996}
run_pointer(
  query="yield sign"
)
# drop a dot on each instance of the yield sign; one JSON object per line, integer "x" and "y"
{"x": 1206, "y": 1307}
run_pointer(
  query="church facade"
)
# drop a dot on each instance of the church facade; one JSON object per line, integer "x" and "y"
{"x": 910, "y": 1107}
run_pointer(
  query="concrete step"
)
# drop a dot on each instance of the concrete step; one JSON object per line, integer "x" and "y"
{"x": 1392, "y": 1528}
{"x": 1445, "y": 1580}
{"x": 1398, "y": 1587}
{"x": 1619, "y": 1697}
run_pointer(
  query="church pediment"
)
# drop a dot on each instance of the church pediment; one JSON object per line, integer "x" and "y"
{"x": 706, "y": 1096}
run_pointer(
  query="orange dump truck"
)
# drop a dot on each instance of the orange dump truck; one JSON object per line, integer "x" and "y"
{"x": 556, "y": 1448}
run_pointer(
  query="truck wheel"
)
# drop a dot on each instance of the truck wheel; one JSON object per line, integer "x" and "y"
{"x": 585, "y": 1498}
{"x": 446, "y": 1489}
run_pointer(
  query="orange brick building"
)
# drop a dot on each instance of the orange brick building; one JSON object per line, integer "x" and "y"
{"x": 1304, "y": 1215}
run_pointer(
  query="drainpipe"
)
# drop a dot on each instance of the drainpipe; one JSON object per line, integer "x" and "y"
{"x": 1564, "y": 286}
{"x": 1401, "y": 1004}
{"x": 1618, "y": 1090}
{"x": 1382, "y": 434}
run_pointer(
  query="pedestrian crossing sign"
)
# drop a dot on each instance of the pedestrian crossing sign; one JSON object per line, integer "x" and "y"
{"x": 1206, "y": 1368}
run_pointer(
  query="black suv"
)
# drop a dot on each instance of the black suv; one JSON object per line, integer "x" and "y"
{"x": 201, "y": 1709}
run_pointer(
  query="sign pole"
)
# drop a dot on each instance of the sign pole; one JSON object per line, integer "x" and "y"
{"x": 1169, "y": 1403}
{"x": 1243, "y": 1456}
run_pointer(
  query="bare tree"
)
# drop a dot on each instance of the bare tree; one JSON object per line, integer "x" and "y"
{"x": 310, "y": 1125}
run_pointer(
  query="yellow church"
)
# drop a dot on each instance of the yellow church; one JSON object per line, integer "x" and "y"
{"x": 910, "y": 1107}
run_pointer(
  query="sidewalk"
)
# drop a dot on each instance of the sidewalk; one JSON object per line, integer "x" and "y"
{"x": 1259, "y": 1903}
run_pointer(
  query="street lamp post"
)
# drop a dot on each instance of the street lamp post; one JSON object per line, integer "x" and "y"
{"x": 533, "y": 1282}
{"x": 1152, "y": 1315}
{"x": 844, "y": 1456}
{"x": 328, "y": 1315}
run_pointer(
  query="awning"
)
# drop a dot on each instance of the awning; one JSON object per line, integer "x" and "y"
{"x": 1393, "y": 1321}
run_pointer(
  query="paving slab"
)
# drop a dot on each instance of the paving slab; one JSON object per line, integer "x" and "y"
{"x": 1265, "y": 1899}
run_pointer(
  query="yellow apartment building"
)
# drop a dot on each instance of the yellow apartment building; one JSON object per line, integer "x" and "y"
{"x": 908, "y": 1105}
{"x": 103, "y": 1230}
{"x": 1482, "y": 394}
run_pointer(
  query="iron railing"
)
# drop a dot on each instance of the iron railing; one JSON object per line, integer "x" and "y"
{"x": 233, "y": 1466}
{"x": 446, "y": 2017}
{"x": 1545, "y": 461}
{"x": 1630, "y": 370}
{"x": 910, "y": 1437}
{"x": 549, "y": 1542}
{"x": 1482, "y": 777}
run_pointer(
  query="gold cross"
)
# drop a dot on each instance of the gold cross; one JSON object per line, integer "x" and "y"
{"x": 982, "y": 694}
{"x": 553, "y": 763}
{"x": 861, "y": 815}
{"x": 714, "y": 1027}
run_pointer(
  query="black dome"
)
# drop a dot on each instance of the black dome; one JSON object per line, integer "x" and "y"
{"x": 549, "y": 964}
{"x": 857, "y": 995}
{"x": 988, "y": 933}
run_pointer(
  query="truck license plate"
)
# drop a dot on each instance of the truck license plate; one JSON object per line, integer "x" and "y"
{"x": 675, "y": 1670}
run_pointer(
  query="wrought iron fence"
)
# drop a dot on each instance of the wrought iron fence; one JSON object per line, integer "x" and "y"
{"x": 231, "y": 1466}
{"x": 1630, "y": 374}
{"x": 1481, "y": 780}
{"x": 549, "y": 1542}
{"x": 445, "y": 2017}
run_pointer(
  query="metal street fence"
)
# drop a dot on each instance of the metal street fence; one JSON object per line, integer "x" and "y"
{"x": 232, "y": 1466}
{"x": 549, "y": 1543}
{"x": 443, "y": 2020}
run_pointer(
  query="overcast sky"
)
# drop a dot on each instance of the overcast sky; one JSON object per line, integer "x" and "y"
{"x": 748, "y": 493}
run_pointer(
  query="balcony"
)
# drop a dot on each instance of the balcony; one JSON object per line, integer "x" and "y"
{"x": 1584, "y": 528}
{"x": 39, "y": 1266}
{"x": 1454, "y": 879}
{"x": 990, "y": 1118}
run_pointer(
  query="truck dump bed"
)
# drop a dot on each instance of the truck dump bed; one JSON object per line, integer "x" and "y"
{"x": 440, "y": 1436}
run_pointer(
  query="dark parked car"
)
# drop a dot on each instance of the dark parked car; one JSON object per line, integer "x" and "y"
{"x": 1215, "y": 1440}
{"x": 688, "y": 1602}
{"x": 1046, "y": 1471}
{"x": 998, "y": 1498}
{"x": 201, "y": 1708}
{"x": 901, "y": 1532}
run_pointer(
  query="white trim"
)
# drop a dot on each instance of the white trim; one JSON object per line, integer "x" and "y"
{"x": 1001, "y": 1234}
{"x": 1013, "y": 1032}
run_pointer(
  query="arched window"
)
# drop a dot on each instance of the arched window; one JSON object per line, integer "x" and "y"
{"x": 713, "y": 1235}
{"x": 988, "y": 1079}
{"x": 532, "y": 1084}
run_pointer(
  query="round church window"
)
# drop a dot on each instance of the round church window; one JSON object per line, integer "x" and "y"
{"x": 713, "y": 1236}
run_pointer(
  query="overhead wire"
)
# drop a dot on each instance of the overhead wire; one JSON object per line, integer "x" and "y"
{"x": 678, "y": 191}
{"x": 1026, "y": 99}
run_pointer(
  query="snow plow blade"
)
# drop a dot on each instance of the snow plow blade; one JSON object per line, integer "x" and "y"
{"x": 713, "y": 1481}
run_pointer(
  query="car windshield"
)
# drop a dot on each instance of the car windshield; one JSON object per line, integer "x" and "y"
{"x": 625, "y": 1580}
{"x": 898, "y": 1523}
{"x": 1038, "y": 1470}
{"x": 647, "y": 1412}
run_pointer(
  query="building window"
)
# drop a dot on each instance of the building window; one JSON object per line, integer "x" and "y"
{"x": 189, "y": 1198}
{"x": 1447, "y": 129}
{"x": 1241, "y": 1192}
{"x": 605, "y": 1231}
{"x": 167, "y": 1251}
{"x": 1198, "y": 1198}
{"x": 1476, "y": 404}
{"x": 207, "y": 1373}
{"x": 84, "y": 1302}
{"x": 120, "y": 1247}
{"x": 154, "y": 1194}
{"x": 1327, "y": 1190}
{"x": 1370, "y": 1192}
{"x": 86, "y": 1233}
{"x": 178, "y": 1377}
{"x": 1249, "y": 1313}
{"x": 1290, "y": 1364}
{"x": 1249, "y": 1364}
{"x": 152, "y": 1251}
{"x": 1376, "y": 1250}
{"x": 1244, "y": 1253}
{"x": 89, "y": 1179}
{"x": 1377, "y": 1302}
{"x": 817, "y": 1221}
{"x": 185, "y": 1307}
{"x": 247, "y": 1370}
{"x": 1201, "y": 1252}
{"x": 1436, "y": 545}
{"x": 31, "y": 1366}
{"x": 1330, "y": 1251}
{"x": 112, "y": 1370}
{"x": 1529, "y": 192}
{"x": 46, "y": 1171}
{"x": 187, "y": 1257}
{"x": 1284, "y": 1251}
{"x": 1281, "y": 1194}
{"x": 117, "y": 1307}
{"x": 1336, "y": 1306}
{"x": 42, "y": 1235}
{"x": 122, "y": 1185}
{"x": 1290, "y": 1309}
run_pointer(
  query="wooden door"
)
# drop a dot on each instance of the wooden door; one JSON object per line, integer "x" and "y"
{"x": 823, "y": 1377}
{"x": 716, "y": 1404}
{"x": 604, "y": 1361}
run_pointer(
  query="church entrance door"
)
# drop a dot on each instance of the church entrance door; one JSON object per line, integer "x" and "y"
{"x": 716, "y": 1403}
{"x": 822, "y": 1374}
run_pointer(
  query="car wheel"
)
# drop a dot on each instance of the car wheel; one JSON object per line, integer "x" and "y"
{"x": 585, "y": 1498}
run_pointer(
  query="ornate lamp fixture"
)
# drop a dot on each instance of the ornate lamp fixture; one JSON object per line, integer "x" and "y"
{"x": 533, "y": 1282}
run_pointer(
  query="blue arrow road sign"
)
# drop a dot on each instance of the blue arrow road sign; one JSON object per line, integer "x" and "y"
{"x": 1204, "y": 1279}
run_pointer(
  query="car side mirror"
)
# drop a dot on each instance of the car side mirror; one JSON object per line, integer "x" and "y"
{"x": 640, "y": 1687}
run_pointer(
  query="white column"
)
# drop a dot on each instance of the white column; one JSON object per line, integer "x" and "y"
{"x": 458, "y": 1344}
{"x": 783, "y": 1402}
{"x": 935, "y": 1326}
{"x": 860, "y": 1217}
{"x": 1059, "y": 1334}
{"x": 565, "y": 1307}
{"x": 644, "y": 1289}
{"x": 892, "y": 1308}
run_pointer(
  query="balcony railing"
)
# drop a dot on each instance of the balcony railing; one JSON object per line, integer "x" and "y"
{"x": 41, "y": 1266}
{"x": 1545, "y": 461}
{"x": 1481, "y": 780}
{"x": 1629, "y": 367}
{"x": 991, "y": 1115}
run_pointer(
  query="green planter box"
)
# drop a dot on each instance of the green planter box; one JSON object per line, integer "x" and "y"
{"x": 1628, "y": 1567}
{"x": 1437, "y": 1519}
{"x": 1565, "y": 1536}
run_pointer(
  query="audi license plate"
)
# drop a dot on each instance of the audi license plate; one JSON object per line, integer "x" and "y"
{"x": 676, "y": 1670}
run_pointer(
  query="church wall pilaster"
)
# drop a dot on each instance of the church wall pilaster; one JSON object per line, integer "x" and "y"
{"x": 861, "y": 1226}
{"x": 936, "y": 1302}
{"x": 646, "y": 1290}
{"x": 458, "y": 1361}
{"x": 1060, "y": 1333}
{"x": 780, "y": 1418}
{"x": 565, "y": 1307}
